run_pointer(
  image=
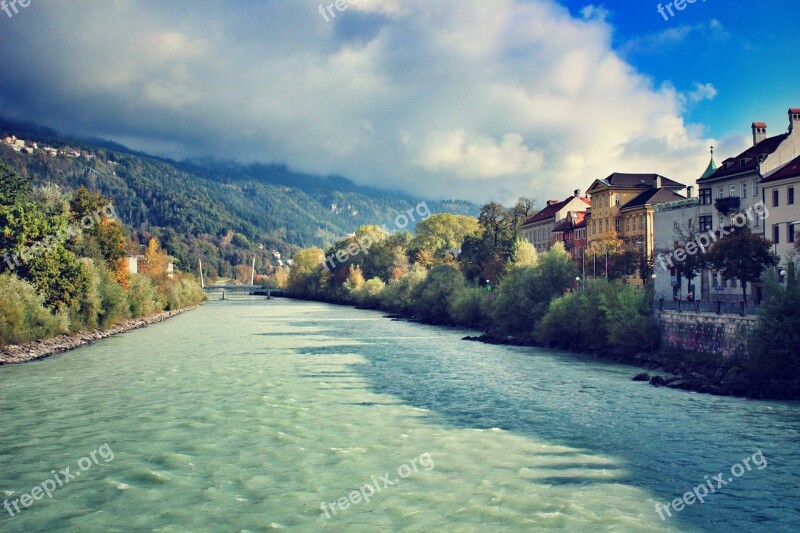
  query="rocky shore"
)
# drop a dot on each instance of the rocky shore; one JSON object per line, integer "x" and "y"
{"x": 36, "y": 350}
{"x": 682, "y": 371}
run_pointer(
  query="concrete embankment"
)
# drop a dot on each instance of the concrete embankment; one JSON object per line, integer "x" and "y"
{"x": 33, "y": 351}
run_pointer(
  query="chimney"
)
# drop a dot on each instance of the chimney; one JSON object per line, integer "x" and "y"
{"x": 552, "y": 202}
{"x": 658, "y": 181}
{"x": 577, "y": 193}
{"x": 760, "y": 131}
{"x": 689, "y": 191}
{"x": 794, "y": 118}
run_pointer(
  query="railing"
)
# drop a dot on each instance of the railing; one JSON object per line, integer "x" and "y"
{"x": 705, "y": 306}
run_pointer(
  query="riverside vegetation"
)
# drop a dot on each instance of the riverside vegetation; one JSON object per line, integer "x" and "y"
{"x": 499, "y": 284}
{"x": 62, "y": 266}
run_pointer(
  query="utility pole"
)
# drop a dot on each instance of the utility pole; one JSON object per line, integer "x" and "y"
{"x": 202, "y": 282}
{"x": 253, "y": 272}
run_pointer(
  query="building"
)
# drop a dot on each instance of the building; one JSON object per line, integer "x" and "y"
{"x": 736, "y": 187}
{"x": 671, "y": 220}
{"x": 623, "y": 204}
{"x": 538, "y": 229}
{"x": 780, "y": 189}
{"x": 572, "y": 232}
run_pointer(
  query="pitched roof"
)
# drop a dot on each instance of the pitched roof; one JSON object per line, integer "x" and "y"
{"x": 747, "y": 161}
{"x": 789, "y": 170}
{"x": 622, "y": 180}
{"x": 572, "y": 222}
{"x": 652, "y": 196}
{"x": 551, "y": 210}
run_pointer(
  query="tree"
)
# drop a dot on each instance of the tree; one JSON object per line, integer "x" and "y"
{"x": 441, "y": 232}
{"x": 155, "y": 260}
{"x": 742, "y": 255}
{"x": 13, "y": 187}
{"x": 304, "y": 264}
{"x": 693, "y": 264}
{"x": 605, "y": 247}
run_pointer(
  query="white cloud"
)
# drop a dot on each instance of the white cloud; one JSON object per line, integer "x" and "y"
{"x": 454, "y": 98}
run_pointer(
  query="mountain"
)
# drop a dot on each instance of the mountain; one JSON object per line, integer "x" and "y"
{"x": 221, "y": 212}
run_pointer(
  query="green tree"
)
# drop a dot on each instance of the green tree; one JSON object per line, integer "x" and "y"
{"x": 742, "y": 255}
{"x": 13, "y": 187}
{"x": 441, "y": 232}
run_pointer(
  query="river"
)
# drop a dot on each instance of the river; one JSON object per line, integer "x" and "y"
{"x": 252, "y": 415}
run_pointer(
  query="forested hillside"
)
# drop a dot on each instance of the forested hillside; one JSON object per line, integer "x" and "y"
{"x": 222, "y": 213}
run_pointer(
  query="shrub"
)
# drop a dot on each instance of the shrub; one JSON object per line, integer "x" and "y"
{"x": 470, "y": 307}
{"x": 773, "y": 344}
{"x": 142, "y": 296}
{"x": 432, "y": 297}
{"x": 368, "y": 295}
{"x": 525, "y": 293}
{"x": 23, "y": 316}
{"x": 398, "y": 296}
{"x": 631, "y": 327}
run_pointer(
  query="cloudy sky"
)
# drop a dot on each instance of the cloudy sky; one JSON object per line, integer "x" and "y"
{"x": 474, "y": 99}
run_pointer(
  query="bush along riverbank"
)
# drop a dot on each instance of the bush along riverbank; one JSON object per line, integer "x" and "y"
{"x": 66, "y": 266}
{"x": 36, "y": 350}
{"x": 524, "y": 298}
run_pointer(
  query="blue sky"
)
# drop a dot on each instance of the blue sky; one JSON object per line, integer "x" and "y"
{"x": 474, "y": 99}
{"x": 747, "y": 50}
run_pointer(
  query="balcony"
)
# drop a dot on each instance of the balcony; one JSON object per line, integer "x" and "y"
{"x": 726, "y": 205}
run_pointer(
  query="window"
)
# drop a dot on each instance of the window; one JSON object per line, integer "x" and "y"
{"x": 789, "y": 233}
{"x": 776, "y": 234}
{"x": 756, "y": 223}
{"x": 607, "y": 225}
{"x": 733, "y": 190}
{"x": 720, "y": 192}
{"x": 790, "y": 196}
{"x": 616, "y": 200}
{"x": 627, "y": 223}
{"x": 705, "y": 196}
{"x": 617, "y": 224}
{"x": 704, "y": 223}
{"x": 641, "y": 222}
{"x": 775, "y": 198}
{"x": 756, "y": 191}
{"x": 744, "y": 189}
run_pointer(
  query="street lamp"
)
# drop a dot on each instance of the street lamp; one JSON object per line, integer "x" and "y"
{"x": 578, "y": 282}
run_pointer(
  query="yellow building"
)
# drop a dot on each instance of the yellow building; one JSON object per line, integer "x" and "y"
{"x": 623, "y": 204}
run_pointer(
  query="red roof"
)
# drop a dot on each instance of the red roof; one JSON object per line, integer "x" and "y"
{"x": 794, "y": 110}
{"x": 551, "y": 210}
{"x": 747, "y": 161}
{"x": 789, "y": 170}
{"x": 759, "y": 124}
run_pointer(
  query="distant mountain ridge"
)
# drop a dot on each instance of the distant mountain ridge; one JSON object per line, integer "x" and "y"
{"x": 221, "y": 212}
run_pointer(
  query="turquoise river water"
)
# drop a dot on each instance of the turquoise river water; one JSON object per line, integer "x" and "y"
{"x": 254, "y": 415}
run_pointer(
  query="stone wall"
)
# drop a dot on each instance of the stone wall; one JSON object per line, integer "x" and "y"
{"x": 705, "y": 333}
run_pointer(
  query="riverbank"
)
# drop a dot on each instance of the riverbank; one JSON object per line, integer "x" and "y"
{"x": 41, "y": 349}
{"x": 683, "y": 371}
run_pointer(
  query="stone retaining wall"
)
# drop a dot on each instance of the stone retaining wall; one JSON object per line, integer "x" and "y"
{"x": 705, "y": 333}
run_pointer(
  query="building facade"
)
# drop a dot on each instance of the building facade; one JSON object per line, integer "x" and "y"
{"x": 538, "y": 229}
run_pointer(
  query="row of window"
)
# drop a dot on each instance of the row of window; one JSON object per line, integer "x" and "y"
{"x": 597, "y": 225}
{"x": 733, "y": 190}
{"x": 705, "y": 194}
{"x": 776, "y": 197}
{"x": 791, "y": 232}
